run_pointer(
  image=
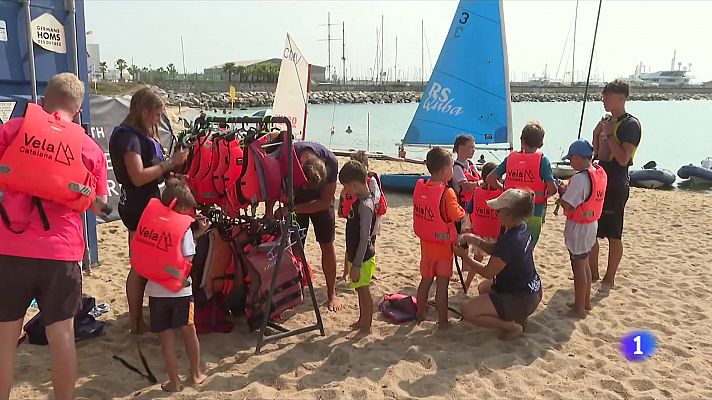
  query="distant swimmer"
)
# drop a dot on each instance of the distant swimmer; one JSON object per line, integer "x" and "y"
{"x": 348, "y": 129}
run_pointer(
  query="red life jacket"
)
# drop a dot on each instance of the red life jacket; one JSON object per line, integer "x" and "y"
{"x": 471, "y": 175}
{"x": 231, "y": 204}
{"x": 260, "y": 179}
{"x": 221, "y": 167}
{"x": 485, "y": 221}
{"x": 45, "y": 161}
{"x": 591, "y": 209}
{"x": 523, "y": 172}
{"x": 346, "y": 200}
{"x": 428, "y": 222}
{"x": 202, "y": 182}
{"x": 156, "y": 252}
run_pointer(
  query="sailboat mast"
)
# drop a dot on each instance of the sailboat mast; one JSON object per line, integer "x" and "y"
{"x": 182, "y": 51}
{"x": 573, "y": 53}
{"x": 382, "y": 35}
{"x": 422, "y": 53}
{"x": 395, "y": 64}
{"x": 343, "y": 50}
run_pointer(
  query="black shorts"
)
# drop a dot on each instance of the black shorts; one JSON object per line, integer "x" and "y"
{"x": 170, "y": 312}
{"x": 324, "y": 225}
{"x": 610, "y": 225}
{"x": 132, "y": 203}
{"x": 515, "y": 307}
{"x": 57, "y": 286}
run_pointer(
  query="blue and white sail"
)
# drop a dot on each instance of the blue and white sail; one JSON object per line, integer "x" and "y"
{"x": 468, "y": 92}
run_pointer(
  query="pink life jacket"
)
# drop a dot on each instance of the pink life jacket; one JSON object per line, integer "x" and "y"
{"x": 231, "y": 203}
{"x": 260, "y": 179}
{"x": 156, "y": 251}
{"x": 428, "y": 222}
{"x": 485, "y": 221}
{"x": 590, "y": 210}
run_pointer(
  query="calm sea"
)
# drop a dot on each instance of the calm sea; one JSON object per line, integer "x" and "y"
{"x": 675, "y": 133}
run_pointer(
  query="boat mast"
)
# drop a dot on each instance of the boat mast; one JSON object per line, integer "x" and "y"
{"x": 343, "y": 50}
{"x": 382, "y": 80}
{"x": 395, "y": 64}
{"x": 573, "y": 53}
{"x": 422, "y": 54}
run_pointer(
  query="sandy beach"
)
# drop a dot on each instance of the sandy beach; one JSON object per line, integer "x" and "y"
{"x": 664, "y": 285}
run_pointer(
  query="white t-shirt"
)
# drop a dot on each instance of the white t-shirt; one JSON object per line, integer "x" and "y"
{"x": 155, "y": 290}
{"x": 458, "y": 175}
{"x": 579, "y": 238}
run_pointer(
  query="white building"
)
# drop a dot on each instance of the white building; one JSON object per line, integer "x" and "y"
{"x": 93, "y": 60}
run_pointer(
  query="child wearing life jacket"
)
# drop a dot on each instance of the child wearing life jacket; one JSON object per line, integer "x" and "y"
{"x": 582, "y": 201}
{"x": 346, "y": 199}
{"x": 464, "y": 175}
{"x": 528, "y": 169}
{"x": 483, "y": 219}
{"x": 360, "y": 253}
{"x": 171, "y": 309}
{"x": 435, "y": 213}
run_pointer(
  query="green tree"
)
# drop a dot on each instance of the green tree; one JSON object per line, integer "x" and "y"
{"x": 172, "y": 70}
{"x": 121, "y": 66}
{"x": 103, "y": 68}
{"x": 229, "y": 68}
{"x": 134, "y": 70}
{"x": 240, "y": 71}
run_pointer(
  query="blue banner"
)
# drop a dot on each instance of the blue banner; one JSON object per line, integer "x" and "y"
{"x": 468, "y": 92}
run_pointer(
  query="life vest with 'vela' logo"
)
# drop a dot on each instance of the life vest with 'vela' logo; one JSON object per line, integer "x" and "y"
{"x": 45, "y": 161}
{"x": 347, "y": 200}
{"x": 591, "y": 209}
{"x": 471, "y": 175}
{"x": 428, "y": 222}
{"x": 523, "y": 172}
{"x": 156, "y": 251}
{"x": 485, "y": 221}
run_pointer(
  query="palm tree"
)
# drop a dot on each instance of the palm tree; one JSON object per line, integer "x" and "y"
{"x": 172, "y": 69}
{"x": 103, "y": 68}
{"x": 272, "y": 73}
{"x": 240, "y": 71}
{"x": 229, "y": 68}
{"x": 121, "y": 66}
{"x": 134, "y": 70}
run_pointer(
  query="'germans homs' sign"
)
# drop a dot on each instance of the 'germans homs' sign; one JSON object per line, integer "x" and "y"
{"x": 48, "y": 33}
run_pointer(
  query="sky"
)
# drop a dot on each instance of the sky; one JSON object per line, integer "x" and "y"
{"x": 539, "y": 34}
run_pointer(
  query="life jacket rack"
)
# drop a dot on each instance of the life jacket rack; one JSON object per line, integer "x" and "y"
{"x": 289, "y": 229}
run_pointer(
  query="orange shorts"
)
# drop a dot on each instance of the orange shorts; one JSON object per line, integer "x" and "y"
{"x": 433, "y": 267}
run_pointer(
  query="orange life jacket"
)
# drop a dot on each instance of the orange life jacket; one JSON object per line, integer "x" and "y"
{"x": 347, "y": 200}
{"x": 156, "y": 251}
{"x": 428, "y": 222}
{"x": 591, "y": 209}
{"x": 471, "y": 175}
{"x": 221, "y": 166}
{"x": 523, "y": 172}
{"x": 485, "y": 221}
{"x": 45, "y": 161}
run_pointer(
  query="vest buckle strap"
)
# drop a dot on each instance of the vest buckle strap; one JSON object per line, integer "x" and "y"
{"x": 79, "y": 188}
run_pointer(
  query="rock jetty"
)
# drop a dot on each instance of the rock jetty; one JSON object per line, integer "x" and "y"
{"x": 264, "y": 99}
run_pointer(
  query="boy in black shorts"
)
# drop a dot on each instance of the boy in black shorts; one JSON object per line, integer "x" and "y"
{"x": 174, "y": 310}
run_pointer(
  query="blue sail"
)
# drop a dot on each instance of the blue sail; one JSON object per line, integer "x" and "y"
{"x": 468, "y": 92}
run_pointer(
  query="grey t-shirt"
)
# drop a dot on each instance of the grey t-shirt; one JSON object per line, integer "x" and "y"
{"x": 579, "y": 238}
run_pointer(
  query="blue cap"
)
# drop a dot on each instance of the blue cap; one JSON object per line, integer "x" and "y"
{"x": 581, "y": 148}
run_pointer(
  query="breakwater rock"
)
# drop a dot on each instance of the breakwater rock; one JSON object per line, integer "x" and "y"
{"x": 265, "y": 99}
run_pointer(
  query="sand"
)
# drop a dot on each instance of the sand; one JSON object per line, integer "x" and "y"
{"x": 664, "y": 285}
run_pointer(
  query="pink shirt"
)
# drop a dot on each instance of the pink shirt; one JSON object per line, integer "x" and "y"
{"x": 65, "y": 239}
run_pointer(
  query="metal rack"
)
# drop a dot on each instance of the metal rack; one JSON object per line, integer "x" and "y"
{"x": 288, "y": 231}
